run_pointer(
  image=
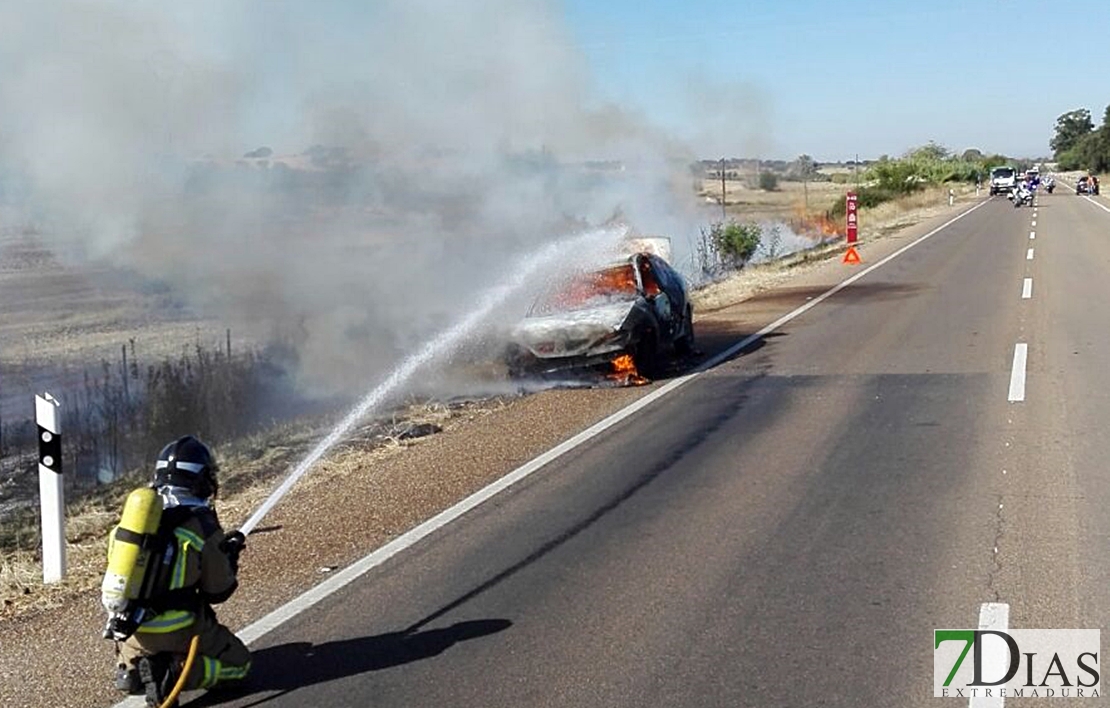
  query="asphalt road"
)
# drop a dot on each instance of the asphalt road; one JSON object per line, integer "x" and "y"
{"x": 786, "y": 529}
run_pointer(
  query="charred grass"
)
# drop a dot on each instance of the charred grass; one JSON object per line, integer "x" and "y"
{"x": 250, "y": 467}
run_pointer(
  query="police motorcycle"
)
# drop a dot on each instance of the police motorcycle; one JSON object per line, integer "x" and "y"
{"x": 1022, "y": 194}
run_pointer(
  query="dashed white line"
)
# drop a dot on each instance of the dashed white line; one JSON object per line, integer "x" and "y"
{"x": 1029, "y": 255}
{"x": 1027, "y": 289}
{"x": 1017, "y": 372}
{"x": 994, "y": 616}
{"x": 1034, "y": 221}
{"x": 1032, "y": 234}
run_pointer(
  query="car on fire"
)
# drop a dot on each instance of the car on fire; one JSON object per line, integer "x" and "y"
{"x": 623, "y": 320}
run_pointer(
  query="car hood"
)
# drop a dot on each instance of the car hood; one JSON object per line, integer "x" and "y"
{"x": 576, "y": 333}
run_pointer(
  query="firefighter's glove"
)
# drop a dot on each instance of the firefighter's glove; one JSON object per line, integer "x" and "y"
{"x": 233, "y": 544}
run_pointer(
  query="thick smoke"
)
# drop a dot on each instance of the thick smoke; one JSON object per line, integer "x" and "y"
{"x": 345, "y": 177}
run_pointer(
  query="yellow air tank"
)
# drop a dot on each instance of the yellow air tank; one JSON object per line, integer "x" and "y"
{"x": 128, "y": 549}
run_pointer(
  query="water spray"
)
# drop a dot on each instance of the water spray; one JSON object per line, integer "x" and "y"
{"x": 442, "y": 343}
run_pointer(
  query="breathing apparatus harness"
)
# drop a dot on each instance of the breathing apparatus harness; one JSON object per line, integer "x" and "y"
{"x": 143, "y": 552}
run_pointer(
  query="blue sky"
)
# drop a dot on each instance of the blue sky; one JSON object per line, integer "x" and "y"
{"x": 833, "y": 79}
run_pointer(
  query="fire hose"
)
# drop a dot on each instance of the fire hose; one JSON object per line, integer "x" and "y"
{"x": 177, "y": 687}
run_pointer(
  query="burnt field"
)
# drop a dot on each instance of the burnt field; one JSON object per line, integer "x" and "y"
{"x": 129, "y": 361}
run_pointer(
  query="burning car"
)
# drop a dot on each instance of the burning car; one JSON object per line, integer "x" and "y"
{"x": 620, "y": 320}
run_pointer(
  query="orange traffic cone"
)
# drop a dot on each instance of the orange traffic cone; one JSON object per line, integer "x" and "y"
{"x": 851, "y": 257}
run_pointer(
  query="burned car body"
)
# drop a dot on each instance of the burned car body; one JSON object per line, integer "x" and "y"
{"x": 619, "y": 320}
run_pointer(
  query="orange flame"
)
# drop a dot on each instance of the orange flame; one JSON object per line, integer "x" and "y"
{"x": 624, "y": 371}
{"x": 815, "y": 225}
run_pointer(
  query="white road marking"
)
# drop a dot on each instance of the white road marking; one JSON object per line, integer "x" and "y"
{"x": 1032, "y": 234}
{"x": 1029, "y": 255}
{"x": 1034, "y": 221}
{"x": 996, "y": 616}
{"x": 1098, "y": 204}
{"x": 342, "y": 578}
{"x": 1027, "y": 289}
{"x": 1017, "y": 372}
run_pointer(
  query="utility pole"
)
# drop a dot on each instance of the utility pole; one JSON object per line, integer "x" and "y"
{"x": 855, "y": 170}
{"x": 723, "y": 193}
{"x": 805, "y": 193}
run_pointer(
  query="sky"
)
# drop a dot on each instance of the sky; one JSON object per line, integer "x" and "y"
{"x": 852, "y": 77}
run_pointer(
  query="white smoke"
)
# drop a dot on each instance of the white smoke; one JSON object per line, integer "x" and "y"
{"x": 415, "y": 147}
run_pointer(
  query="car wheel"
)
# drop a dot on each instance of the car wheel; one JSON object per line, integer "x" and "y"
{"x": 646, "y": 355}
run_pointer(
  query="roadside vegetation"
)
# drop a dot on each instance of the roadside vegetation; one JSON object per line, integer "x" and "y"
{"x": 1078, "y": 145}
{"x": 927, "y": 166}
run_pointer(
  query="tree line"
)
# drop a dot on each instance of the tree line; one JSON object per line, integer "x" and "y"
{"x": 1078, "y": 145}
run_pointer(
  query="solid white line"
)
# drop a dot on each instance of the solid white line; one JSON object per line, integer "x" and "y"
{"x": 1092, "y": 200}
{"x": 1017, "y": 372}
{"x": 1027, "y": 289}
{"x": 294, "y": 607}
{"x": 996, "y": 616}
{"x": 1029, "y": 255}
{"x": 1100, "y": 205}
{"x": 349, "y": 574}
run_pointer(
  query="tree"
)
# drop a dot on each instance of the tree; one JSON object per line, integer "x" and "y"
{"x": 931, "y": 151}
{"x": 972, "y": 155}
{"x": 768, "y": 181}
{"x": 1071, "y": 127}
{"x": 804, "y": 167}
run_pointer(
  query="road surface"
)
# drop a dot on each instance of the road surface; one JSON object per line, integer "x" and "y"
{"x": 789, "y": 527}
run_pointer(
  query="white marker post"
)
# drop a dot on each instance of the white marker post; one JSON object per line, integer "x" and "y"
{"x": 50, "y": 488}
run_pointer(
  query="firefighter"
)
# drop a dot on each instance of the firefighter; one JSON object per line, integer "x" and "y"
{"x": 205, "y": 562}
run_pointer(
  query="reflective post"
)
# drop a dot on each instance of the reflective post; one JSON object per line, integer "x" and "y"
{"x": 51, "y": 492}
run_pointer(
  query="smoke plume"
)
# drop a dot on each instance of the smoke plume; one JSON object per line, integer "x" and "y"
{"x": 342, "y": 176}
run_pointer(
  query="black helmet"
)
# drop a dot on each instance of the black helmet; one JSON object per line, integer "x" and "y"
{"x": 188, "y": 463}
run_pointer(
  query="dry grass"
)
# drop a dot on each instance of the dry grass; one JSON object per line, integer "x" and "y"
{"x": 874, "y": 223}
{"x": 252, "y": 465}
{"x": 250, "y": 469}
{"x": 788, "y": 201}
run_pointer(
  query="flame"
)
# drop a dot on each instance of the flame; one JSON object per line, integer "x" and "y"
{"x": 624, "y": 372}
{"x": 815, "y": 225}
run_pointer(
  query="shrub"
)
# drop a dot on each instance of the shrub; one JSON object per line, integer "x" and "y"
{"x": 768, "y": 181}
{"x": 866, "y": 198}
{"x": 736, "y": 242}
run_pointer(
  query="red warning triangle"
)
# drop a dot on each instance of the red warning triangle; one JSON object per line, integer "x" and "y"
{"x": 851, "y": 257}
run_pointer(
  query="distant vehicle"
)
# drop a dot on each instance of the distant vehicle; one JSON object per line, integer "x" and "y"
{"x": 1003, "y": 180}
{"x": 626, "y": 318}
{"x": 1087, "y": 185}
{"x": 1022, "y": 194}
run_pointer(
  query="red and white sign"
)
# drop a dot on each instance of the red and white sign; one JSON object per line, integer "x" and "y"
{"x": 851, "y": 213}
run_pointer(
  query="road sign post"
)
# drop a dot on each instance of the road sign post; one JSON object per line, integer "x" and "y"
{"x": 51, "y": 492}
{"x": 851, "y": 216}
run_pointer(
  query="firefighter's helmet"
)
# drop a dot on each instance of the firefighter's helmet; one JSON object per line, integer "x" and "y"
{"x": 188, "y": 463}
